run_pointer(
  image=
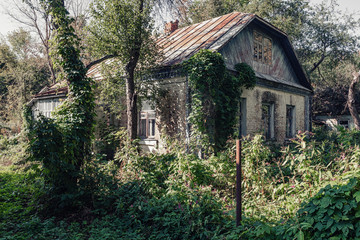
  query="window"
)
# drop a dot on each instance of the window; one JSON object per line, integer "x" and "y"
{"x": 344, "y": 123}
{"x": 147, "y": 121}
{"x": 290, "y": 121}
{"x": 46, "y": 106}
{"x": 242, "y": 117}
{"x": 262, "y": 48}
{"x": 267, "y": 118}
{"x": 147, "y": 124}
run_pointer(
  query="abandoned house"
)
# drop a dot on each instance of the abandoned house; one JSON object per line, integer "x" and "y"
{"x": 277, "y": 107}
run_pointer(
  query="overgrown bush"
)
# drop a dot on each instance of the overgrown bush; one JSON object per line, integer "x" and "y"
{"x": 180, "y": 196}
{"x": 333, "y": 213}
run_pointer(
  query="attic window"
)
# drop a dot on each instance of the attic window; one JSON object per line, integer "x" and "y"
{"x": 262, "y": 48}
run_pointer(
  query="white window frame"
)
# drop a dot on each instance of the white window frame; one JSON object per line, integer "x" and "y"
{"x": 46, "y": 106}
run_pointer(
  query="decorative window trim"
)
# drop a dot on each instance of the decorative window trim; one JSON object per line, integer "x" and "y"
{"x": 262, "y": 48}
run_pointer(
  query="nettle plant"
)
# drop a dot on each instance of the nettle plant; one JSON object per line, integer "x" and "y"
{"x": 215, "y": 96}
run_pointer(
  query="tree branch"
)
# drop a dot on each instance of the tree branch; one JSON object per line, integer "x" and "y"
{"x": 316, "y": 65}
{"x": 100, "y": 60}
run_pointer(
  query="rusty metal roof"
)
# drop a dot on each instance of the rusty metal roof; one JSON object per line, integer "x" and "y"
{"x": 184, "y": 42}
{"x": 211, "y": 34}
{"x": 56, "y": 89}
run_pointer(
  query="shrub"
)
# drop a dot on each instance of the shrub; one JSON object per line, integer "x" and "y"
{"x": 333, "y": 213}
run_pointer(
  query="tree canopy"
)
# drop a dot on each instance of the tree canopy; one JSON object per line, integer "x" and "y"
{"x": 123, "y": 29}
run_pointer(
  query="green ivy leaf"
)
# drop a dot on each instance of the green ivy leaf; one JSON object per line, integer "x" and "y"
{"x": 357, "y": 196}
{"x": 339, "y": 205}
{"x": 329, "y": 223}
{"x": 300, "y": 235}
{"x": 325, "y": 202}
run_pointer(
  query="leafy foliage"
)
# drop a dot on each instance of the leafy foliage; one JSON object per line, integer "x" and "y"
{"x": 204, "y": 10}
{"x": 333, "y": 213}
{"x": 215, "y": 97}
{"x": 63, "y": 145}
{"x": 23, "y": 72}
{"x": 122, "y": 29}
{"x": 181, "y": 196}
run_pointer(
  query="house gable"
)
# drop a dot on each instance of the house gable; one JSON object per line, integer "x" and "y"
{"x": 232, "y": 36}
{"x": 241, "y": 49}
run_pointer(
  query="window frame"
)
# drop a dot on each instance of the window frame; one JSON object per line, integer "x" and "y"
{"x": 269, "y": 132}
{"x": 262, "y": 49}
{"x": 46, "y": 106}
{"x": 148, "y": 130}
{"x": 290, "y": 125}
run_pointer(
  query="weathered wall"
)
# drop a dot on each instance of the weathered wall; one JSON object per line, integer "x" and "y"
{"x": 259, "y": 95}
{"x": 241, "y": 49}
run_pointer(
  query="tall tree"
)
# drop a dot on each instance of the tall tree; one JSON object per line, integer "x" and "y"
{"x": 328, "y": 39}
{"x": 201, "y": 10}
{"x": 123, "y": 29}
{"x": 63, "y": 144}
{"x": 34, "y": 15}
{"x": 23, "y": 73}
{"x": 287, "y": 15}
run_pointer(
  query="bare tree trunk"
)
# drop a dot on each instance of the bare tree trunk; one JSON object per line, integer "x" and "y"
{"x": 351, "y": 101}
{"x": 131, "y": 108}
{"x": 131, "y": 96}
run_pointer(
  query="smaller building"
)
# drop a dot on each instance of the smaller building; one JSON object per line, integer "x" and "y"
{"x": 329, "y": 107}
{"x": 48, "y": 99}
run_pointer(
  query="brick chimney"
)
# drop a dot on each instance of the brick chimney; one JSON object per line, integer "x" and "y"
{"x": 171, "y": 27}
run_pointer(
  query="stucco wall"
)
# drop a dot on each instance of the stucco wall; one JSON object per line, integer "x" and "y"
{"x": 171, "y": 112}
{"x": 259, "y": 95}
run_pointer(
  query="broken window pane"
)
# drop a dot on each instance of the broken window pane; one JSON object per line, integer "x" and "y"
{"x": 262, "y": 48}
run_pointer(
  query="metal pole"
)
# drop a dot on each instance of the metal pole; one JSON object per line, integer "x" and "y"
{"x": 238, "y": 182}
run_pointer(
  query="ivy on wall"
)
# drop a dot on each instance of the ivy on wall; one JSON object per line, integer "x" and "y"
{"x": 215, "y": 97}
{"x": 62, "y": 145}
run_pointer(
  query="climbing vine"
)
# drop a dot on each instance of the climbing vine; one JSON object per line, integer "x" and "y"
{"x": 215, "y": 96}
{"x": 62, "y": 145}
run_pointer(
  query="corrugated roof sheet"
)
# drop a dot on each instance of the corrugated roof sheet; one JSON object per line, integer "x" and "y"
{"x": 211, "y": 34}
{"x": 55, "y": 89}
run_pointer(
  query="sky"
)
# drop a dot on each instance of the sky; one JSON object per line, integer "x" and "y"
{"x": 7, "y": 24}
